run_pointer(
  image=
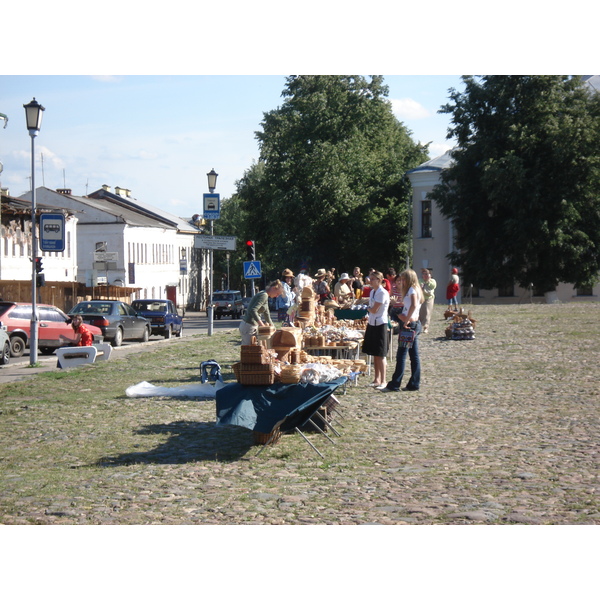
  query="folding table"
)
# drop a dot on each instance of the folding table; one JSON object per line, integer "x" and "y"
{"x": 274, "y": 409}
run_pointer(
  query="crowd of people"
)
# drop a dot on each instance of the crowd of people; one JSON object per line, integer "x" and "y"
{"x": 389, "y": 298}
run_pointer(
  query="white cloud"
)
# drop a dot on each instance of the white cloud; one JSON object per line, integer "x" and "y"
{"x": 407, "y": 108}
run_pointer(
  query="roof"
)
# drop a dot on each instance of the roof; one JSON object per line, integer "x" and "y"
{"x": 435, "y": 164}
{"x": 112, "y": 200}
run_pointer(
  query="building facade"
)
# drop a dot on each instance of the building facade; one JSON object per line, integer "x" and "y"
{"x": 433, "y": 240}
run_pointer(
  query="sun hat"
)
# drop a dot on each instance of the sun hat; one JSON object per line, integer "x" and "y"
{"x": 321, "y": 273}
{"x": 344, "y": 276}
{"x": 287, "y": 273}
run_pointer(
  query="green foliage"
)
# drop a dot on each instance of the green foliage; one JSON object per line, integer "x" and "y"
{"x": 524, "y": 188}
{"x": 329, "y": 189}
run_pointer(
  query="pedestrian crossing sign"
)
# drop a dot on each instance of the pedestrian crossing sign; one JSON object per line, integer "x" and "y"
{"x": 252, "y": 269}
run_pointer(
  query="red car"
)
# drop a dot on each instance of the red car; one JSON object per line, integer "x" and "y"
{"x": 52, "y": 324}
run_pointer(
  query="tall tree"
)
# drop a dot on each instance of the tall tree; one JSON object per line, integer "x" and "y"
{"x": 523, "y": 191}
{"x": 329, "y": 189}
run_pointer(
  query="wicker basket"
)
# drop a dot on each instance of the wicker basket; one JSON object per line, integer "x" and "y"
{"x": 257, "y": 377}
{"x": 290, "y": 374}
{"x": 255, "y": 355}
{"x": 260, "y": 439}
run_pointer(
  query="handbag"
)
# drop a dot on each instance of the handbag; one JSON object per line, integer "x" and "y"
{"x": 406, "y": 338}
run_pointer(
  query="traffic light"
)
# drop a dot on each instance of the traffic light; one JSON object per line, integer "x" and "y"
{"x": 39, "y": 277}
{"x": 250, "y": 250}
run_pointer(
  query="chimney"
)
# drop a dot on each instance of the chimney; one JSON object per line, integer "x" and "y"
{"x": 64, "y": 191}
{"x": 106, "y": 188}
{"x": 123, "y": 192}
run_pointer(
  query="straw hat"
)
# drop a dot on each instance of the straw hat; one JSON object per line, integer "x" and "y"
{"x": 321, "y": 273}
{"x": 287, "y": 273}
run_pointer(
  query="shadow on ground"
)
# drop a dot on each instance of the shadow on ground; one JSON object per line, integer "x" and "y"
{"x": 189, "y": 441}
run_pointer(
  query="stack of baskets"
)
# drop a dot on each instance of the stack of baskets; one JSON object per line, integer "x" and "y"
{"x": 256, "y": 366}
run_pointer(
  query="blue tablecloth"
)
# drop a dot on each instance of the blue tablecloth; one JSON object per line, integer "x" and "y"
{"x": 260, "y": 408}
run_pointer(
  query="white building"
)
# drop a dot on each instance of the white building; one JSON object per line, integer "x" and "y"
{"x": 149, "y": 253}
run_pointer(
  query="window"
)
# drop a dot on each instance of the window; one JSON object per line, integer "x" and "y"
{"x": 586, "y": 291}
{"x": 426, "y": 219}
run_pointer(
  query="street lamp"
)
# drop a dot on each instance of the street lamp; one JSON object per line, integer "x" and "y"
{"x": 212, "y": 180}
{"x": 212, "y": 184}
{"x": 33, "y": 116}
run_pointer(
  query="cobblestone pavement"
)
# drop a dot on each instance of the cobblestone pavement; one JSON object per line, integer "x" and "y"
{"x": 505, "y": 430}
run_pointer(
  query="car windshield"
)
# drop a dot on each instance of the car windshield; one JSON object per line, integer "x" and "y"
{"x": 223, "y": 297}
{"x": 89, "y": 308}
{"x": 151, "y": 306}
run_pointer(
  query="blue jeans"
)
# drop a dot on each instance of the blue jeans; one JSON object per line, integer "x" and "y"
{"x": 415, "y": 364}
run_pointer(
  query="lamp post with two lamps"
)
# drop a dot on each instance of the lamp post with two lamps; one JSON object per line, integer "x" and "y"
{"x": 33, "y": 115}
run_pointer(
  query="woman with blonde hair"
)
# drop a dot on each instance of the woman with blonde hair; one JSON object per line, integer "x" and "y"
{"x": 413, "y": 298}
{"x": 375, "y": 343}
{"x": 258, "y": 312}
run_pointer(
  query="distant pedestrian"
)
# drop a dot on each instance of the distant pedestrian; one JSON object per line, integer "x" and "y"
{"x": 452, "y": 289}
{"x": 428, "y": 285}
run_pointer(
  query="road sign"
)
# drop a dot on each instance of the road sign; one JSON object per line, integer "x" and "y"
{"x": 106, "y": 256}
{"x": 52, "y": 232}
{"x": 212, "y": 206}
{"x": 252, "y": 269}
{"x": 215, "y": 242}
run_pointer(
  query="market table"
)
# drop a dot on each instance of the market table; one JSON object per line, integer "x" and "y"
{"x": 273, "y": 409}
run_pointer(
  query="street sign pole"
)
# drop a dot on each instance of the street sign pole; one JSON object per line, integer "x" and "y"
{"x": 209, "y": 309}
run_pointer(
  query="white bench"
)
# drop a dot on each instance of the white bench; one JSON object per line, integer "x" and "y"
{"x": 72, "y": 356}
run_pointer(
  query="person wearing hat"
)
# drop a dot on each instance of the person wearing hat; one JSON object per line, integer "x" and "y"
{"x": 320, "y": 286}
{"x": 286, "y": 298}
{"x": 342, "y": 290}
{"x": 452, "y": 289}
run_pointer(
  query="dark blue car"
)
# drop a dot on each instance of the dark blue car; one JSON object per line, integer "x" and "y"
{"x": 163, "y": 316}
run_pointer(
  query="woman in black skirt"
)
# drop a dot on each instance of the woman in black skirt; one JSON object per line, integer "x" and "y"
{"x": 375, "y": 343}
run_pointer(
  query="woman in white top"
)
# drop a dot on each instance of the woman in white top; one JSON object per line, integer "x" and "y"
{"x": 376, "y": 335}
{"x": 412, "y": 298}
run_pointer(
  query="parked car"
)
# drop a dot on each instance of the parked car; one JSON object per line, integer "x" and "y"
{"x": 246, "y": 302}
{"x": 52, "y": 324}
{"x": 4, "y": 345}
{"x": 228, "y": 302}
{"x": 117, "y": 320}
{"x": 163, "y": 316}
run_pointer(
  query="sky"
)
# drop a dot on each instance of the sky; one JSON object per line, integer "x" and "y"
{"x": 153, "y": 101}
{"x": 159, "y": 135}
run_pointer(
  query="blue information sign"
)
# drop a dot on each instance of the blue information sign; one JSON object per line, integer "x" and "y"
{"x": 212, "y": 207}
{"x": 52, "y": 232}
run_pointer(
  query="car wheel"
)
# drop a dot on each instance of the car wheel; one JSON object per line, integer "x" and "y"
{"x": 47, "y": 350}
{"x": 180, "y": 332}
{"x": 168, "y": 332}
{"x": 118, "y": 339}
{"x": 146, "y": 335}
{"x": 5, "y": 356}
{"x": 17, "y": 346}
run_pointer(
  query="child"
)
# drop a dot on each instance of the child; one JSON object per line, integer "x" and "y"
{"x": 452, "y": 289}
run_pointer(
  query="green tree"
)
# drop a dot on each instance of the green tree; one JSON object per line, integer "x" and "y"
{"x": 523, "y": 191}
{"x": 329, "y": 188}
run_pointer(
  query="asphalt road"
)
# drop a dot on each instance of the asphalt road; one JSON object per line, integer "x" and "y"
{"x": 195, "y": 323}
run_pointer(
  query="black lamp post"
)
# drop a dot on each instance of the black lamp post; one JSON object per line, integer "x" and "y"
{"x": 212, "y": 184}
{"x": 33, "y": 116}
